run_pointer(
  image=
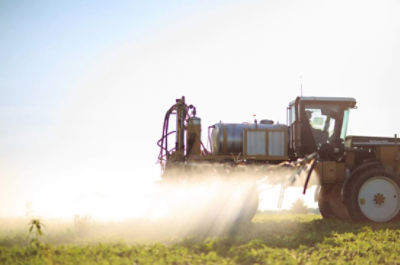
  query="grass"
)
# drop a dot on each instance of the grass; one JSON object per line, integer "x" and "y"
{"x": 269, "y": 239}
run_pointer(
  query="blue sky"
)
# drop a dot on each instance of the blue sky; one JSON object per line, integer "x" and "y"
{"x": 46, "y": 44}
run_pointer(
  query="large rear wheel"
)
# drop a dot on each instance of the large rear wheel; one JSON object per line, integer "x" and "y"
{"x": 330, "y": 202}
{"x": 373, "y": 196}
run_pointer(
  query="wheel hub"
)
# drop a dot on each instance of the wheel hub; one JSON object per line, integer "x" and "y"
{"x": 379, "y": 199}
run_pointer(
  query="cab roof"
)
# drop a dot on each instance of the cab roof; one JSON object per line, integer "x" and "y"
{"x": 350, "y": 102}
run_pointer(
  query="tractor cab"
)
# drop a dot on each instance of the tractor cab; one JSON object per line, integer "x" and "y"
{"x": 319, "y": 124}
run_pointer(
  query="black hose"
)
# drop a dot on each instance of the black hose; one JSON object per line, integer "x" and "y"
{"x": 309, "y": 175}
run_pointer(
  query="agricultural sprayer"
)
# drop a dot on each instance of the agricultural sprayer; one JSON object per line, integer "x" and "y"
{"x": 358, "y": 176}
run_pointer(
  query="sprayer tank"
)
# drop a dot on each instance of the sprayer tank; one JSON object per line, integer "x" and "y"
{"x": 249, "y": 139}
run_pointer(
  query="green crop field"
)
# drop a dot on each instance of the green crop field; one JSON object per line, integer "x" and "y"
{"x": 269, "y": 239}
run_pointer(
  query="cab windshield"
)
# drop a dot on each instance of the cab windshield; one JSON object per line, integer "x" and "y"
{"x": 323, "y": 121}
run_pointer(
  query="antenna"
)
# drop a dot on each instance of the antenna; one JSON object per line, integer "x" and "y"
{"x": 301, "y": 85}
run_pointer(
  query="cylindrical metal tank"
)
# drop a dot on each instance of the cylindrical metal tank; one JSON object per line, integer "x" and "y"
{"x": 227, "y": 138}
